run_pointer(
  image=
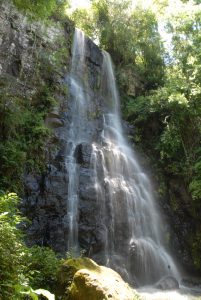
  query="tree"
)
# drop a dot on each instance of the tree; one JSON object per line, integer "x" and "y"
{"x": 130, "y": 36}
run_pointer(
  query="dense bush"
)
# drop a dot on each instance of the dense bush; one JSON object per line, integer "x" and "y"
{"x": 42, "y": 267}
{"x": 22, "y": 133}
{"x": 41, "y": 8}
{"x": 11, "y": 246}
{"x": 22, "y": 267}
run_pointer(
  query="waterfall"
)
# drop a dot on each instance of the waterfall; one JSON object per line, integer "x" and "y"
{"x": 133, "y": 240}
{"x": 76, "y": 134}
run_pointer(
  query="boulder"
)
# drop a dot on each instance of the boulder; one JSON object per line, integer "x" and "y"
{"x": 53, "y": 122}
{"x": 93, "y": 282}
{"x": 167, "y": 283}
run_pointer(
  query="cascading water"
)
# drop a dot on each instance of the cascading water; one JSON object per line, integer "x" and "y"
{"x": 75, "y": 135}
{"x": 130, "y": 196}
{"x": 133, "y": 239}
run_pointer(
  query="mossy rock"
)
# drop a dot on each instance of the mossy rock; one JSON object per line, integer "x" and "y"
{"x": 68, "y": 270}
{"x": 85, "y": 280}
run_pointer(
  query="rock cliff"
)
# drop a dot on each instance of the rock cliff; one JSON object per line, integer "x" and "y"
{"x": 34, "y": 61}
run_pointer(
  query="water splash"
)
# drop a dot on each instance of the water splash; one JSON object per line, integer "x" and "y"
{"x": 183, "y": 293}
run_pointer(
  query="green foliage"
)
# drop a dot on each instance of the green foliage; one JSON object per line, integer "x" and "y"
{"x": 84, "y": 20}
{"x": 42, "y": 266}
{"x": 23, "y": 135}
{"x": 59, "y": 12}
{"x": 41, "y": 8}
{"x": 11, "y": 246}
{"x": 21, "y": 266}
{"x": 130, "y": 36}
{"x": 195, "y": 184}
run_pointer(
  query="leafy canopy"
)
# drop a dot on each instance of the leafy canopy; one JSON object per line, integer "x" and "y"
{"x": 129, "y": 35}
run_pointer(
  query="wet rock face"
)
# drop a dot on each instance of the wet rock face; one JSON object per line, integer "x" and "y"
{"x": 45, "y": 205}
{"x": 182, "y": 225}
{"x": 45, "y": 201}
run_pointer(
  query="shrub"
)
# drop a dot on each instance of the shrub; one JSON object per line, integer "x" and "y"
{"x": 22, "y": 267}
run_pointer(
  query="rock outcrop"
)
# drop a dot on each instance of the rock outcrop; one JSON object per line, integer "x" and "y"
{"x": 93, "y": 282}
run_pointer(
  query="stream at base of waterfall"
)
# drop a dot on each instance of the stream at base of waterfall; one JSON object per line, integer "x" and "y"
{"x": 134, "y": 239}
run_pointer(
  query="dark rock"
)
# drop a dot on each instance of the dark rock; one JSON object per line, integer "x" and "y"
{"x": 86, "y": 177}
{"x": 93, "y": 53}
{"x": 31, "y": 184}
{"x": 14, "y": 68}
{"x": 83, "y": 154}
{"x": 192, "y": 282}
{"x": 54, "y": 122}
{"x": 167, "y": 283}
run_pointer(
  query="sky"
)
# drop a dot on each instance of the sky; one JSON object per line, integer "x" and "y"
{"x": 79, "y": 3}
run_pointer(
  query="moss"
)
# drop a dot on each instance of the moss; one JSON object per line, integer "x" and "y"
{"x": 174, "y": 202}
{"x": 68, "y": 270}
{"x": 82, "y": 263}
{"x": 71, "y": 266}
